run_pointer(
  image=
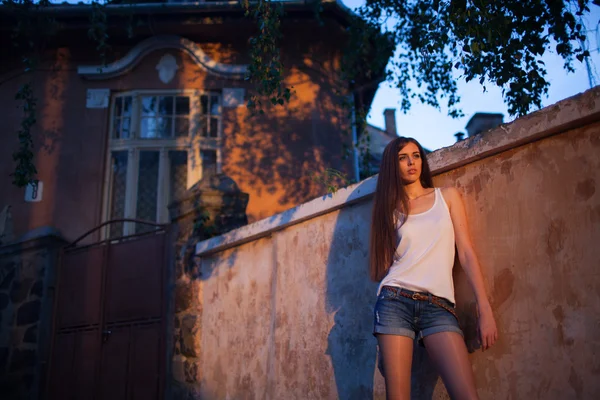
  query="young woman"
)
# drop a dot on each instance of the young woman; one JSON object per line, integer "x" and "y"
{"x": 414, "y": 231}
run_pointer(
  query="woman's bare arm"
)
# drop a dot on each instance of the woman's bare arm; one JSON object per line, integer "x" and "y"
{"x": 470, "y": 263}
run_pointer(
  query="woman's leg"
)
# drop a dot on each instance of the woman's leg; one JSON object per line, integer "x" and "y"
{"x": 448, "y": 352}
{"x": 396, "y": 352}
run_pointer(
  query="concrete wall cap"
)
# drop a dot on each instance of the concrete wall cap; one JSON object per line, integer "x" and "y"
{"x": 565, "y": 115}
{"x": 145, "y": 47}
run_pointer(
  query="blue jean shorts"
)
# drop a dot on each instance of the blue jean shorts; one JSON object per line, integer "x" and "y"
{"x": 395, "y": 314}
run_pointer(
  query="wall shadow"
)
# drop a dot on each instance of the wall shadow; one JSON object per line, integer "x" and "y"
{"x": 351, "y": 296}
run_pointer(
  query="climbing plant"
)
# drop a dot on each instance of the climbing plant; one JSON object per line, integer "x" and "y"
{"x": 496, "y": 42}
{"x": 429, "y": 42}
{"x": 265, "y": 70}
{"x": 29, "y": 37}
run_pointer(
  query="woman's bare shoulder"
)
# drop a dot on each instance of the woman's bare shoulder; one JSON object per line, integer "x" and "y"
{"x": 451, "y": 194}
{"x": 450, "y": 190}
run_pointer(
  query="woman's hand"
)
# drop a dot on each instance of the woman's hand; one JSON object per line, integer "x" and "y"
{"x": 486, "y": 326}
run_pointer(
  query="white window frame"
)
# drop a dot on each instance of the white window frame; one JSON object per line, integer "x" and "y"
{"x": 193, "y": 144}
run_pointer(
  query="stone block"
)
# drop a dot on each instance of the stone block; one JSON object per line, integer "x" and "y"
{"x": 20, "y": 290}
{"x": 192, "y": 371}
{"x": 28, "y": 313}
{"x": 190, "y": 336}
{"x": 177, "y": 343}
{"x": 32, "y": 265}
{"x": 22, "y": 359}
{"x": 184, "y": 296}
{"x": 37, "y": 289}
{"x": 31, "y": 334}
{"x": 179, "y": 368}
{"x": 182, "y": 391}
{"x": 6, "y": 277}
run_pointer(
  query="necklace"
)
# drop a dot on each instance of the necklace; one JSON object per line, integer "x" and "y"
{"x": 421, "y": 195}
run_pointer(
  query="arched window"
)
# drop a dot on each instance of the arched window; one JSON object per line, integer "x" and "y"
{"x": 161, "y": 143}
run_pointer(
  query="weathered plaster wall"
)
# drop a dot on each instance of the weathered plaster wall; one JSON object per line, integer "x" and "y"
{"x": 535, "y": 221}
{"x": 286, "y": 305}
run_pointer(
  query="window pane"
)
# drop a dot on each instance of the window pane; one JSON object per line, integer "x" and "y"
{"x": 155, "y": 128}
{"x": 165, "y": 127}
{"x": 127, "y": 106}
{"x": 118, "y": 106}
{"x": 118, "y": 191}
{"x": 116, "y": 131}
{"x": 149, "y": 105}
{"x": 209, "y": 162}
{"x": 182, "y": 126}
{"x": 147, "y": 189}
{"x": 125, "y": 128}
{"x": 182, "y": 105}
{"x": 202, "y": 127}
{"x": 178, "y": 178}
{"x": 215, "y": 106}
{"x": 165, "y": 105}
{"x": 204, "y": 104}
{"x": 214, "y": 127}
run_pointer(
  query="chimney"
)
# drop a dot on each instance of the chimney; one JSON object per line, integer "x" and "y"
{"x": 481, "y": 122}
{"x": 459, "y": 136}
{"x": 390, "y": 121}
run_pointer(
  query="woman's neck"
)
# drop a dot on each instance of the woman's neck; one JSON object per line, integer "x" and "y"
{"x": 414, "y": 190}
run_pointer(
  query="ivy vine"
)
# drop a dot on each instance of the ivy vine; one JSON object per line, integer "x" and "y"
{"x": 98, "y": 29}
{"x": 496, "y": 42}
{"x": 29, "y": 37}
{"x": 25, "y": 170}
{"x": 265, "y": 70}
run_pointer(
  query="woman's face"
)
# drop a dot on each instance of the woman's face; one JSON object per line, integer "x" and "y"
{"x": 410, "y": 161}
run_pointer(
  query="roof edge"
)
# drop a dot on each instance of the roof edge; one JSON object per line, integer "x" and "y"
{"x": 188, "y": 8}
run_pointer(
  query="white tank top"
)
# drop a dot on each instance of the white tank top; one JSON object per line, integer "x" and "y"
{"x": 425, "y": 253}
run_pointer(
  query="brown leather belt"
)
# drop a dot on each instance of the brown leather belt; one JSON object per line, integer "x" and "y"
{"x": 438, "y": 301}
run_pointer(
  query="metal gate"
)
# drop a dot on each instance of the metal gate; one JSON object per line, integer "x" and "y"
{"x": 109, "y": 325}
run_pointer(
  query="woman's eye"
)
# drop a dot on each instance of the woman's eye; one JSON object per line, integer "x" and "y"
{"x": 417, "y": 156}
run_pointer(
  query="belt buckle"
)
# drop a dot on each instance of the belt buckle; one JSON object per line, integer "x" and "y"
{"x": 415, "y": 296}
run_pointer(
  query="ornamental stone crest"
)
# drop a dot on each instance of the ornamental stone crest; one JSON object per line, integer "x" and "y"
{"x": 167, "y": 68}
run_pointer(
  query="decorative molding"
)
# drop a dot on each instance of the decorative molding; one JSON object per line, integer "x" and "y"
{"x": 571, "y": 113}
{"x": 97, "y": 98}
{"x": 145, "y": 47}
{"x": 167, "y": 68}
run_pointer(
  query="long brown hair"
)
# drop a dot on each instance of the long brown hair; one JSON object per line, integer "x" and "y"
{"x": 390, "y": 191}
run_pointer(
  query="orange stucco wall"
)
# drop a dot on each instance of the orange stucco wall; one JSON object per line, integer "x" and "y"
{"x": 272, "y": 157}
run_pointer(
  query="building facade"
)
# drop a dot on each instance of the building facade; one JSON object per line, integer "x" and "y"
{"x": 126, "y": 138}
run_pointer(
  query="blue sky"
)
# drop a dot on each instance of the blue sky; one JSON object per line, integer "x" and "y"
{"x": 434, "y": 129}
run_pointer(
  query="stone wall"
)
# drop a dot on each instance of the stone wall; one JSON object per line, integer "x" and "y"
{"x": 285, "y": 304}
{"x": 213, "y": 205}
{"x": 27, "y": 269}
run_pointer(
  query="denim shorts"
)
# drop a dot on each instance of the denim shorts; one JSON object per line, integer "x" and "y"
{"x": 398, "y": 315}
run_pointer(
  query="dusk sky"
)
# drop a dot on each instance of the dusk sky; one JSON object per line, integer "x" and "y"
{"x": 434, "y": 129}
